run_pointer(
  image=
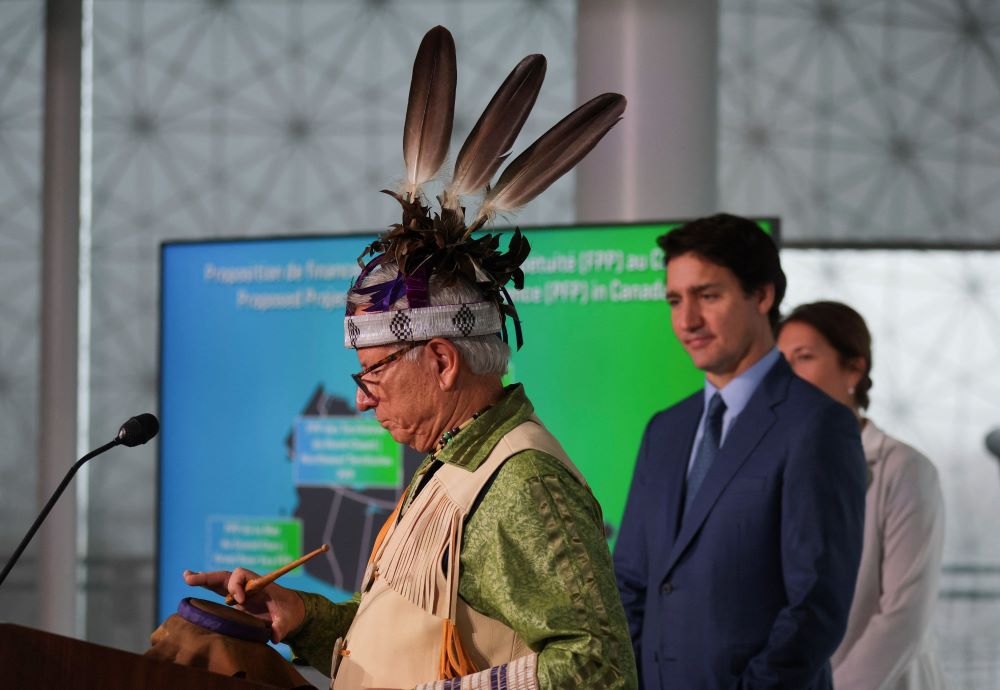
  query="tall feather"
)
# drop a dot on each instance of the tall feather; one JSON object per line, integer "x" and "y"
{"x": 552, "y": 155}
{"x": 430, "y": 112}
{"x": 490, "y": 141}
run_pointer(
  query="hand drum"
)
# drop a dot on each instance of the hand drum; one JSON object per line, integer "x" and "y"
{"x": 212, "y": 636}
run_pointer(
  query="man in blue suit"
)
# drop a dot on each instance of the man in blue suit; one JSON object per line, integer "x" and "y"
{"x": 741, "y": 539}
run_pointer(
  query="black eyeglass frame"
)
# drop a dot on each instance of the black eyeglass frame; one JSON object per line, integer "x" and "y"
{"x": 388, "y": 359}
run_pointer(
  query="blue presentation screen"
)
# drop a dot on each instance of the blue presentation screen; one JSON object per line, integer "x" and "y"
{"x": 251, "y": 350}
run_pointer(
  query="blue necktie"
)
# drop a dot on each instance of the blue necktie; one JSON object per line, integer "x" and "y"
{"x": 708, "y": 449}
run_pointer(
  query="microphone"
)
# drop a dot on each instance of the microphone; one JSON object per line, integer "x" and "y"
{"x": 992, "y": 441}
{"x": 134, "y": 432}
{"x": 138, "y": 430}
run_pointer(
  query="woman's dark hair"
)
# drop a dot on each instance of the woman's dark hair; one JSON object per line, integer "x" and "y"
{"x": 847, "y": 333}
{"x": 735, "y": 243}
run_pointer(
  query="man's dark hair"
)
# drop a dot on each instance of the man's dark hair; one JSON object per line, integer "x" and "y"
{"x": 735, "y": 243}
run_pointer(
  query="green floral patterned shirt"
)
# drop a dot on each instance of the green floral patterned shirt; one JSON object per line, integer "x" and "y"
{"x": 533, "y": 556}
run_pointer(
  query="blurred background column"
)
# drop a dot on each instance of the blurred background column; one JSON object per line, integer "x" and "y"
{"x": 663, "y": 55}
{"x": 59, "y": 316}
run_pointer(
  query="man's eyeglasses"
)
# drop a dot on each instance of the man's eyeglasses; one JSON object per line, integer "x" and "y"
{"x": 379, "y": 364}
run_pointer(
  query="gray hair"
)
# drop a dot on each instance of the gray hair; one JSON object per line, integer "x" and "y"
{"x": 484, "y": 354}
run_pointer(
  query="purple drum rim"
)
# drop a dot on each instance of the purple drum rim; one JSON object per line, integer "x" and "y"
{"x": 204, "y": 619}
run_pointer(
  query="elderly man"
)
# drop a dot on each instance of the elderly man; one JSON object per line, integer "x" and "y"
{"x": 493, "y": 571}
{"x": 531, "y": 597}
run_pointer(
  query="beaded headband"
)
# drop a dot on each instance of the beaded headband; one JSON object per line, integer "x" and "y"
{"x": 440, "y": 245}
{"x": 416, "y": 325}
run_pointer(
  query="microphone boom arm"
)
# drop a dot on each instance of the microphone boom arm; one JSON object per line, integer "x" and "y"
{"x": 52, "y": 501}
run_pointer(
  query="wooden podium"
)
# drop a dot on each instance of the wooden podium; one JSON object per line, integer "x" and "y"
{"x": 31, "y": 658}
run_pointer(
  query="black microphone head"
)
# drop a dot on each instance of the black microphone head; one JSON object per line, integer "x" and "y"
{"x": 993, "y": 442}
{"x": 138, "y": 430}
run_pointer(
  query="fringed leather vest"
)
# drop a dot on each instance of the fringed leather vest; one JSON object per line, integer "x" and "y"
{"x": 411, "y": 626}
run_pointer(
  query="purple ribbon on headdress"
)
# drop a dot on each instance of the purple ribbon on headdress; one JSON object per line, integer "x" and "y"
{"x": 382, "y": 296}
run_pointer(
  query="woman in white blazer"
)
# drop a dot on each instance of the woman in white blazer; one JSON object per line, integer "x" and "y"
{"x": 888, "y": 644}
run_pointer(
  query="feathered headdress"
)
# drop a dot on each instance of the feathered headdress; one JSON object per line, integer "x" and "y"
{"x": 440, "y": 244}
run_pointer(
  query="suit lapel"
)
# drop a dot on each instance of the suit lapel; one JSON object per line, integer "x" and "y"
{"x": 750, "y": 427}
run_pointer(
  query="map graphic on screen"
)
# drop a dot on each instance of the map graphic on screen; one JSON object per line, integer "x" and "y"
{"x": 346, "y": 511}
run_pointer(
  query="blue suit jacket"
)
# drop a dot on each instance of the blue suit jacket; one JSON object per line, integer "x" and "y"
{"x": 754, "y": 588}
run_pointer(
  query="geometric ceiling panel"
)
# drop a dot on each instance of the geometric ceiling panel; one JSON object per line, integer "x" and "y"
{"x": 22, "y": 59}
{"x": 935, "y": 323}
{"x": 863, "y": 120}
{"x": 22, "y": 47}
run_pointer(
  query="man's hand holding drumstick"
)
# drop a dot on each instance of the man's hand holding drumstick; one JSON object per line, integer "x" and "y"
{"x": 261, "y": 582}
{"x": 257, "y": 595}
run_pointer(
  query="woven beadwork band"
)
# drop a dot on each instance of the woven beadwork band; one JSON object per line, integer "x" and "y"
{"x": 423, "y": 323}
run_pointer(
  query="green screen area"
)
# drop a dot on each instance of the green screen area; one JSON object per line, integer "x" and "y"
{"x": 600, "y": 357}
